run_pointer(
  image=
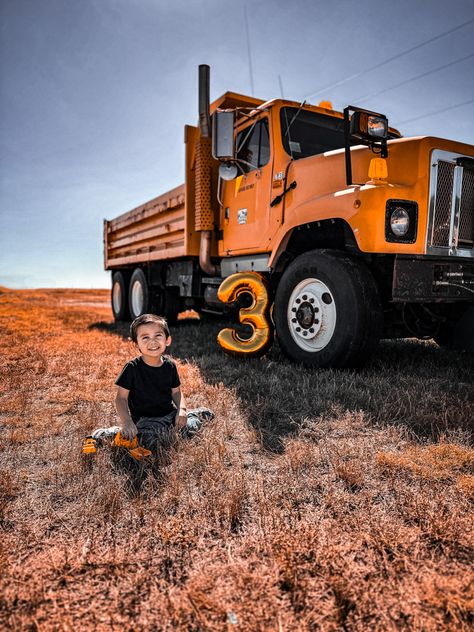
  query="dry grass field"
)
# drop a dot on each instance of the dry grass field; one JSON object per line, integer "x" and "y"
{"x": 315, "y": 500}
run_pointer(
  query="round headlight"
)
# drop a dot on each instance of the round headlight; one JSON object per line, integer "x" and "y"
{"x": 399, "y": 222}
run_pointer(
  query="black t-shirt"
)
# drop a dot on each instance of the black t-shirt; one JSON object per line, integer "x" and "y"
{"x": 149, "y": 386}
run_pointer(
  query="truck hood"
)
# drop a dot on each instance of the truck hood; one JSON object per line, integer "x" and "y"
{"x": 407, "y": 163}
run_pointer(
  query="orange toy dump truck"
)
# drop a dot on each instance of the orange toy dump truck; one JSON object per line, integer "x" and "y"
{"x": 342, "y": 231}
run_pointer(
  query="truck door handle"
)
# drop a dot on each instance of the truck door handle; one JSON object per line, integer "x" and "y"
{"x": 279, "y": 198}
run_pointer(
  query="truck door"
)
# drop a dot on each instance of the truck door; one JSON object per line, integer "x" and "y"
{"x": 245, "y": 200}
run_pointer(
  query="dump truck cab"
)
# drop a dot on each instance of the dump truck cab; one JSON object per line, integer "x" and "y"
{"x": 267, "y": 141}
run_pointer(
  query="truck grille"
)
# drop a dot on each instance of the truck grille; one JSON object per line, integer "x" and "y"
{"x": 466, "y": 221}
{"x": 451, "y": 212}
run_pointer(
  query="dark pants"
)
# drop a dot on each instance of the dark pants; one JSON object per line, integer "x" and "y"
{"x": 157, "y": 434}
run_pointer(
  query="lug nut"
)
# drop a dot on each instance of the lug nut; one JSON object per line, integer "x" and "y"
{"x": 316, "y": 309}
{"x": 298, "y": 329}
{"x": 298, "y": 300}
{"x": 311, "y": 331}
{"x": 293, "y": 309}
{"x": 311, "y": 300}
{"x": 316, "y": 321}
{"x": 305, "y": 333}
{"x": 293, "y": 320}
{"x": 305, "y": 297}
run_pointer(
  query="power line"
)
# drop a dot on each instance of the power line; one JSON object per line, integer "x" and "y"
{"x": 386, "y": 61}
{"x": 416, "y": 118}
{"x": 402, "y": 83}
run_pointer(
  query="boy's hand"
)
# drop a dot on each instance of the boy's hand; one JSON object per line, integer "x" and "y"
{"x": 181, "y": 420}
{"x": 128, "y": 430}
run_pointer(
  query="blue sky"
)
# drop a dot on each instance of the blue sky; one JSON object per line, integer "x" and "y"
{"x": 94, "y": 96}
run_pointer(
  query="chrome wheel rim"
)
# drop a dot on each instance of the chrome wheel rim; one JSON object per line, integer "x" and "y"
{"x": 117, "y": 297}
{"x": 311, "y": 315}
{"x": 137, "y": 298}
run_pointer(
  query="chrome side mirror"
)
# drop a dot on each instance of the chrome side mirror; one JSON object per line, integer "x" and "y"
{"x": 223, "y": 146}
{"x": 228, "y": 171}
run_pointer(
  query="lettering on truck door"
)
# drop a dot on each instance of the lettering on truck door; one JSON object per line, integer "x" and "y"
{"x": 245, "y": 200}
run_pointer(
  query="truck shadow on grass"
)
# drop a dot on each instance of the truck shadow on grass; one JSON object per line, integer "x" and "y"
{"x": 406, "y": 383}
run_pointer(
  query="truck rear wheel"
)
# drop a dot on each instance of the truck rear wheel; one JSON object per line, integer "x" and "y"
{"x": 171, "y": 304}
{"x": 139, "y": 294}
{"x": 119, "y": 297}
{"x": 327, "y": 310}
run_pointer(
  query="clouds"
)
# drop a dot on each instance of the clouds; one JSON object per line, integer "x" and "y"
{"x": 94, "y": 96}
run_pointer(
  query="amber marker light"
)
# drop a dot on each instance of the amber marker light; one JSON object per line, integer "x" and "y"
{"x": 378, "y": 169}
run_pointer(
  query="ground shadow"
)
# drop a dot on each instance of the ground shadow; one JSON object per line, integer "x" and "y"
{"x": 427, "y": 389}
{"x": 121, "y": 329}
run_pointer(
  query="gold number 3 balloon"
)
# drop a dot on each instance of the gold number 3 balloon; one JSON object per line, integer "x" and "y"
{"x": 257, "y": 315}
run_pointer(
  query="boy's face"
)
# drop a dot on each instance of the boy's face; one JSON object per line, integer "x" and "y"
{"x": 152, "y": 340}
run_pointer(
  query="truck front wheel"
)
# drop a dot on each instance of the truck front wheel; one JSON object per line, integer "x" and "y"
{"x": 119, "y": 297}
{"x": 139, "y": 294}
{"x": 327, "y": 310}
{"x": 458, "y": 332}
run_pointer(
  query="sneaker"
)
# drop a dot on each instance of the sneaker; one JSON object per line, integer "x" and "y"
{"x": 102, "y": 434}
{"x": 204, "y": 414}
{"x": 193, "y": 423}
{"x": 195, "y": 419}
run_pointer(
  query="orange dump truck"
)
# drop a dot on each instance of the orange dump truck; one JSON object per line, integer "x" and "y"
{"x": 351, "y": 232}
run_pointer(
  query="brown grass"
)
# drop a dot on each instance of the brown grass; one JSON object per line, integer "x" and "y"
{"x": 333, "y": 500}
{"x": 435, "y": 461}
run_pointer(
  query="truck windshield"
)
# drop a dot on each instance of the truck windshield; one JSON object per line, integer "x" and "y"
{"x": 310, "y": 133}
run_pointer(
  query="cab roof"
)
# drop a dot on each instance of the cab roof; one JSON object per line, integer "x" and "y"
{"x": 231, "y": 100}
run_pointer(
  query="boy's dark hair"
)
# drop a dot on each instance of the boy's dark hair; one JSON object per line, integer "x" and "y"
{"x": 145, "y": 319}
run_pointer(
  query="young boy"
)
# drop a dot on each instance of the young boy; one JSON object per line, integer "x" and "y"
{"x": 149, "y": 401}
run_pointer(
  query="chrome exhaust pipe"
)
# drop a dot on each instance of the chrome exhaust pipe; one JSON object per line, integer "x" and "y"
{"x": 204, "y": 101}
{"x": 205, "y": 131}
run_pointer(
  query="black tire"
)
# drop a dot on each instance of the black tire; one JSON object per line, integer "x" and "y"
{"x": 139, "y": 297}
{"x": 119, "y": 297}
{"x": 458, "y": 332}
{"x": 334, "y": 299}
{"x": 171, "y": 304}
{"x": 165, "y": 302}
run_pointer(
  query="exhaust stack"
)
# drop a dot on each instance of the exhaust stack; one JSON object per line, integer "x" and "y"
{"x": 204, "y": 221}
{"x": 204, "y": 101}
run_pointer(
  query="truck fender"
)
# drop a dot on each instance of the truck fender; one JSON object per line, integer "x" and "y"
{"x": 335, "y": 233}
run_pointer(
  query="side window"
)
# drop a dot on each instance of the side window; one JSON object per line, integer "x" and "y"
{"x": 253, "y": 146}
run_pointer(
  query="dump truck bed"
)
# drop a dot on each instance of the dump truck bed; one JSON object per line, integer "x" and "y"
{"x": 153, "y": 231}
